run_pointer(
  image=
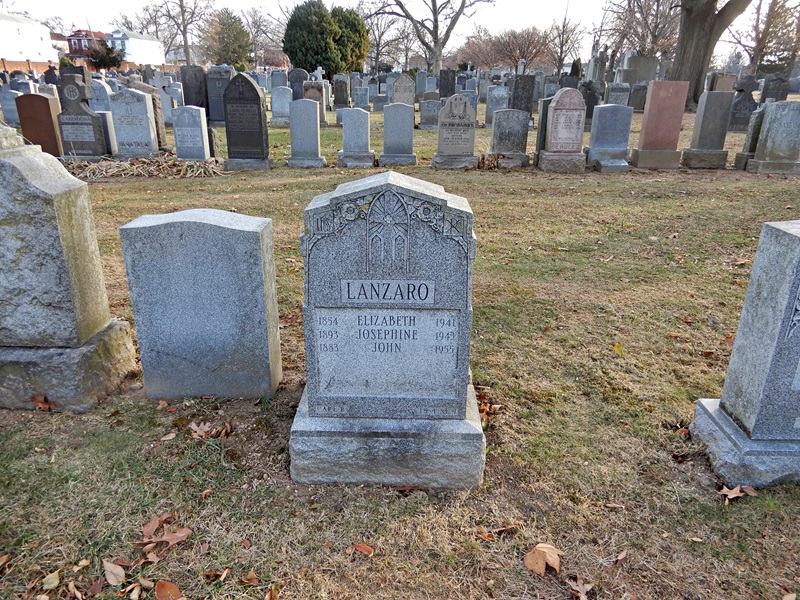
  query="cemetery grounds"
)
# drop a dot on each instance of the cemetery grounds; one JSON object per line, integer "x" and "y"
{"x": 604, "y": 307}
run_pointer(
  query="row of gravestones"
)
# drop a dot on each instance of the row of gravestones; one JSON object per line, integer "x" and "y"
{"x": 387, "y": 321}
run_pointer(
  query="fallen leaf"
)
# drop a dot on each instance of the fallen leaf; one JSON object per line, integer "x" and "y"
{"x": 579, "y": 588}
{"x": 327, "y": 545}
{"x": 145, "y": 583}
{"x": 51, "y": 581}
{"x": 122, "y": 562}
{"x": 4, "y": 559}
{"x": 613, "y": 506}
{"x": 217, "y": 575}
{"x": 672, "y": 236}
{"x": 488, "y": 537}
{"x": 169, "y": 436}
{"x": 272, "y": 594}
{"x": 749, "y": 490}
{"x": 115, "y": 575}
{"x": 249, "y": 579}
{"x": 96, "y": 587}
{"x": 167, "y": 591}
{"x": 152, "y": 557}
{"x": 206, "y": 493}
{"x": 541, "y": 556}
{"x": 729, "y": 340}
{"x": 675, "y": 335}
{"x": 364, "y": 549}
{"x": 708, "y": 353}
{"x": 621, "y": 559}
{"x": 149, "y": 529}
{"x": 75, "y": 592}
{"x": 619, "y": 349}
{"x": 172, "y": 409}
{"x": 136, "y": 592}
{"x": 731, "y": 494}
{"x": 789, "y": 597}
{"x": 246, "y": 544}
{"x": 696, "y": 540}
{"x": 41, "y": 597}
{"x": 42, "y": 403}
{"x": 162, "y": 404}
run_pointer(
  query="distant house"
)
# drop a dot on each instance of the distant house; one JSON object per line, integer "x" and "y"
{"x": 25, "y": 39}
{"x": 60, "y": 43}
{"x": 137, "y": 47}
{"x": 81, "y": 41}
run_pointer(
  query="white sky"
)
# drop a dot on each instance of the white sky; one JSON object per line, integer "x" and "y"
{"x": 504, "y": 14}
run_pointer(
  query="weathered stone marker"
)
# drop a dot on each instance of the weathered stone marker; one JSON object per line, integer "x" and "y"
{"x": 456, "y": 140}
{"x": 388, "y": 315}
{"x": 564, "y": 134}
{"x": 661, "y": 126}
{"x": 708, "y": 137}
{"x": 202, "y": 286}
{"x": 753, "y": 431}
{"x": 57, "y": 337}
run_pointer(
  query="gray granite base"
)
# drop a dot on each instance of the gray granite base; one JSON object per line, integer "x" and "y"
{"x": 76, "y": 158}
{"x": 350, "y": 160}
{"x": 397, "y": 160}
{"x": 694, "y": 158}
{"x": 279, "y": 122}
{"x": 741, "y": 159}
{"x": 307, "y": 163}
{"x": 247, "y": 164}
{"x": 655, "y": 159}
{"x": 607, "y": 160}
{"x": 429, "y": 454}
{"x": 736, "y": 458}
{"x": 770, "y": 166}
{"x": 562, "y": 162}
{"x": 73, "y": 379}
{"x": 511, "y": 160}
{"x": 447, "y": 161}
{"x": 428, "y": 126}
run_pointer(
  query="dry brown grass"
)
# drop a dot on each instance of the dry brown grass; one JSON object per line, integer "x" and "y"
{"x": 595, "y": 328}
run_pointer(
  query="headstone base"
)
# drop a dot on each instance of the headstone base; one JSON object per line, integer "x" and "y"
{"x": 741, "y": 159}
{"x": 511, "y": 160}
{"x": 607, "y": 160}
{"x": 428, "y": 126}
{"x": 379, "y": 103}
{"x": 562, "y": 162}
{"x": 279, "y": 122}
{"x": 736, "y": 458}
{"x": 447, "y": 161}
{"x": 307, "y": 163}
{"x": 655, "y": 159}
{"x": 73, "y": 379}
{"x": 694, "y": 158}
{"x": 429, "y": 454}
{"x": 397, "y": 160}
{"x": 247, "y": 164}
{"x": 768, "y": 166}
{"x": 350, "y": 160}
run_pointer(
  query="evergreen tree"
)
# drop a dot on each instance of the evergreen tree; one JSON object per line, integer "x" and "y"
{"x": 310, "y": 38}
{"x": 353, "y": 42}
{"x": 227, "y": 41}
{"x": 103, "y": 56}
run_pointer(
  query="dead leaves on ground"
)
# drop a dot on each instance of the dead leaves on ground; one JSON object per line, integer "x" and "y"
{"x": 154, "y": 547}
{"x": 202, "y": 431}
{"x": 42, "y": 403}
{"x": 737, "y": 492}
{"x": 541, "y": 557}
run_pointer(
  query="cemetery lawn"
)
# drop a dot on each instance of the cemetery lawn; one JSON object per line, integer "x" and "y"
{"x": 604, "y": 307}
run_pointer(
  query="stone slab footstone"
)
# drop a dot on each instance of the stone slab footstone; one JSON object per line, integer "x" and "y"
{"x": 202, "y": 286}
{"x": 752, "y": 433}
{"x": 388, "y": 315}
{"x": 695, "y": 158}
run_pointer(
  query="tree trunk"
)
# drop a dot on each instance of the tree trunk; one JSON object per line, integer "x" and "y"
{"x": 795, "y": 48}
{"x": 700, "y": 29}
{"x": 436, "y": 59}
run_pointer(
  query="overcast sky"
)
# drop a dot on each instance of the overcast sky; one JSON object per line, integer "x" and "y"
{"x": 504, "y": 14}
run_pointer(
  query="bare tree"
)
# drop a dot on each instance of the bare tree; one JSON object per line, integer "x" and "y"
{"x": 648, "y": 26}
{"x": 772, "y": 26}
{"x": 186, "y": 16}
{"x": 151, "y": 21}
{"x": 701, "y": 26}
{"x": 266, "y": 34}
{"x": 383, "y": 34}
{"x": 405, "y": 45}
{"x": 434, "y": 21}
{"x": 564, "y": 41}
{"x": 514, "y": 45}
{"x": 479, "y": 48}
